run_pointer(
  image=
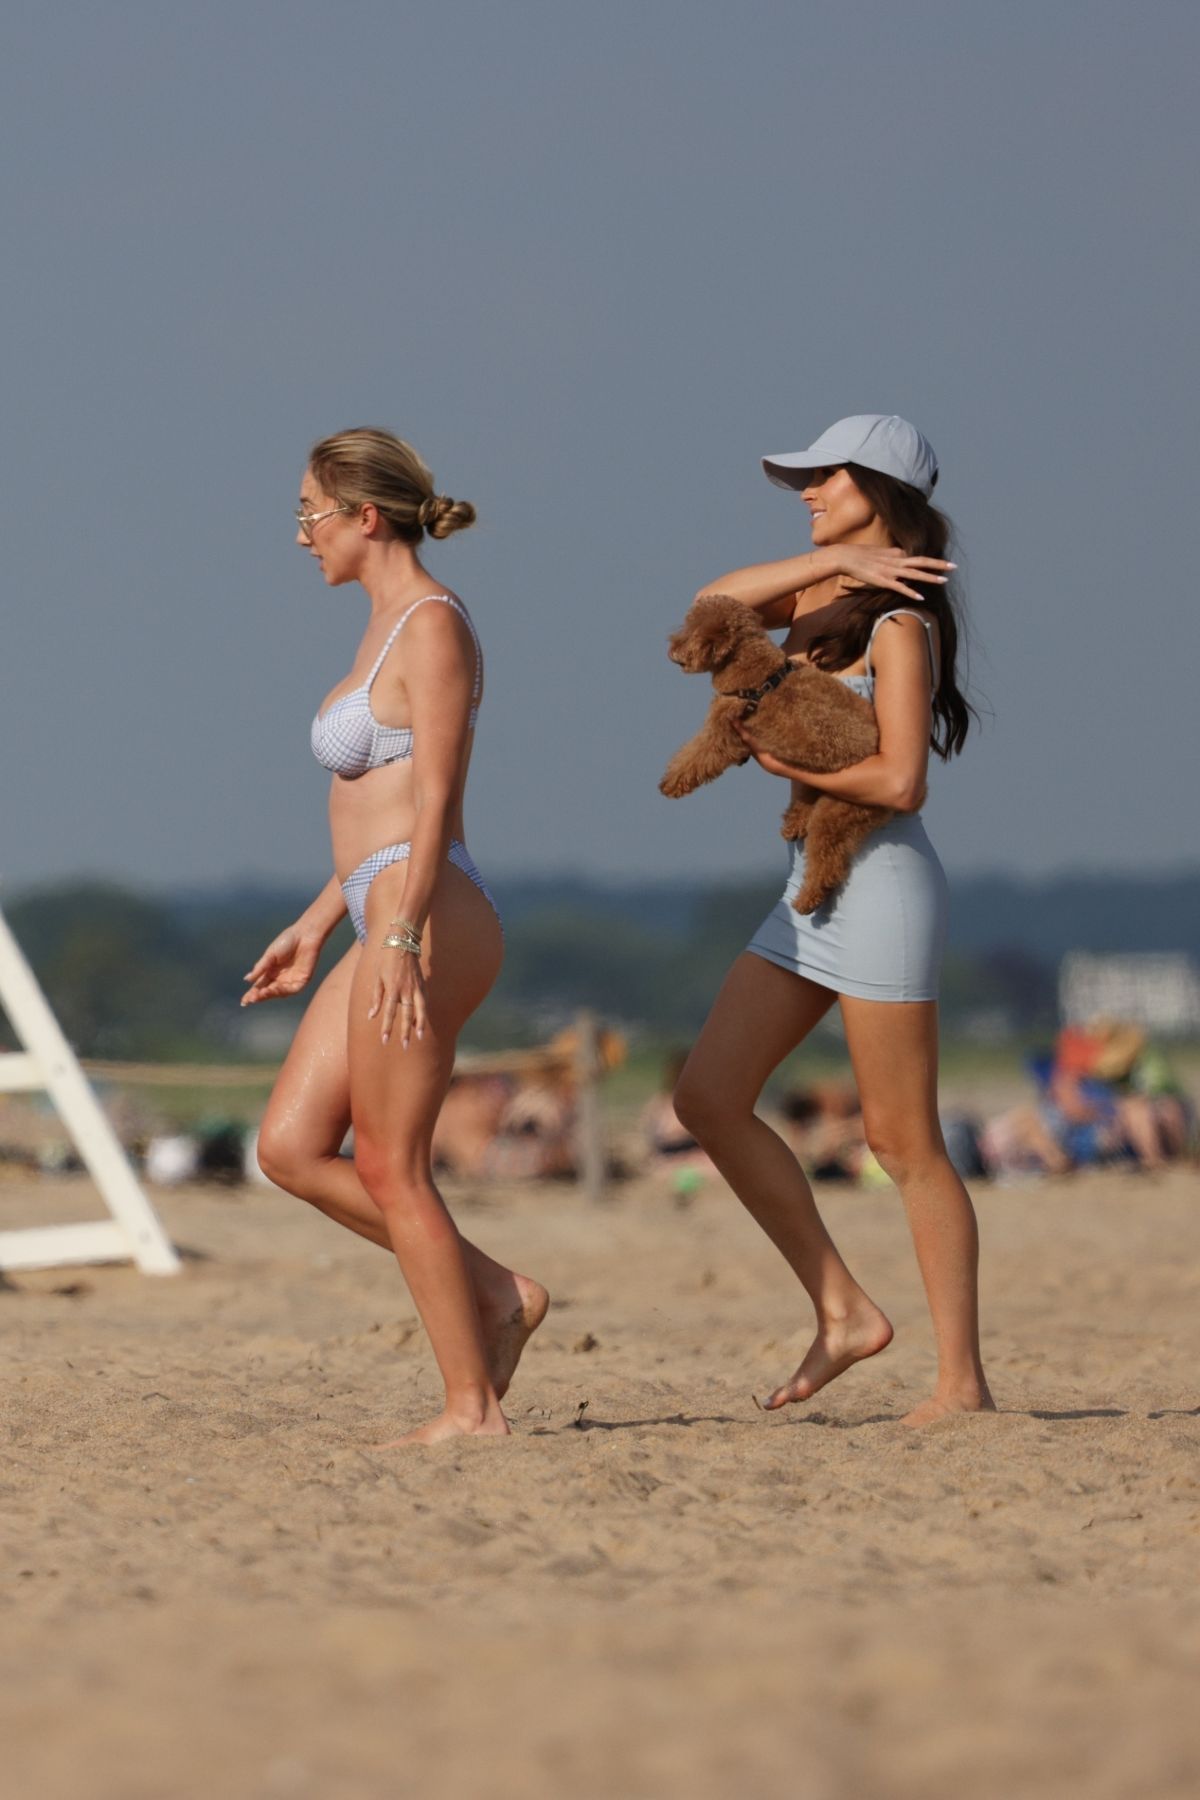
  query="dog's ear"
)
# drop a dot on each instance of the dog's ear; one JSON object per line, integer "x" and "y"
{"x": 711, "y": 633}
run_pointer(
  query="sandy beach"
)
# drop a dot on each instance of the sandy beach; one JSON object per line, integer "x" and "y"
{"x": 213, "y": 1585}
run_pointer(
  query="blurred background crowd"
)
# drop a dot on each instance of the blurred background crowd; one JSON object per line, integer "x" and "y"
{"x": 1065, "y": 1047}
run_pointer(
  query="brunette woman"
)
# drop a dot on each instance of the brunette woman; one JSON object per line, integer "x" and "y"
{"x": 377, "y": 1044}
{"x": 872, "y": 603}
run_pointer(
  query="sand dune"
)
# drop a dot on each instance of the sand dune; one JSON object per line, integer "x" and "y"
{"x": 213, "y": 1584}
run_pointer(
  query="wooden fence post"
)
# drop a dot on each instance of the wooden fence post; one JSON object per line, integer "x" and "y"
{"x": 591, "y": 1153}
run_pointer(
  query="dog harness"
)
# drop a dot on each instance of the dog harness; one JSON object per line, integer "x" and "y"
{"x": 754, "y": 695}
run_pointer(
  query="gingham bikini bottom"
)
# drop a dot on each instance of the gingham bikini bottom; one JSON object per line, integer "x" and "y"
{"x": 356, "y": 885}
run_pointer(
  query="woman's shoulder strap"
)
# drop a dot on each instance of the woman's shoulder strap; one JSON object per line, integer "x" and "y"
{"x": 906, "y": 612}
{"x": 402, "y": 621}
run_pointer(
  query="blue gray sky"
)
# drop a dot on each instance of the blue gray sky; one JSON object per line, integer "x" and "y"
{"x": 593, "y": 261}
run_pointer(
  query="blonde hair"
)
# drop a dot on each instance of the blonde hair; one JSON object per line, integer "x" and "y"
{"x": 371, "y": 467}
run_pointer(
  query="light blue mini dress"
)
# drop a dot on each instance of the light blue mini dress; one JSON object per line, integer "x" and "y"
{"x": 882, "y": 935}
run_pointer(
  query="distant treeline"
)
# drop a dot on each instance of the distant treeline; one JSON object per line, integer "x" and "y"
{"x": 137, "y": 976}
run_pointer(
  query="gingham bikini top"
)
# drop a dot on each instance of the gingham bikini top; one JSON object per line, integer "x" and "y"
{"x": 348, "y": 739}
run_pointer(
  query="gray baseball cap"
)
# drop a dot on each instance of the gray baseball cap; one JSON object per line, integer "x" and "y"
{"x": 879, "y": 441}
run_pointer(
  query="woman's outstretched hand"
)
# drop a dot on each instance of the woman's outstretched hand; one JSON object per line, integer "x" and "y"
{"x": 285, "y": 966}
{"x": 398, "y": 996}
{"x": 880, "y": 566}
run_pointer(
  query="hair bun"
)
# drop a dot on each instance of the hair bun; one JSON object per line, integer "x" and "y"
{"x": 370, "y": 467}
{"x": 440, "y": 515}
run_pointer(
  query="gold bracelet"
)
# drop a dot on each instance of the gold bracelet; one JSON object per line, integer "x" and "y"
{"x": 406, "y": 925}
{"x": 401, "y": 940}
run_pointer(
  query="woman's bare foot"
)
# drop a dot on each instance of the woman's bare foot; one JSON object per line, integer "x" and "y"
{"x": 508, "y": 1328}
{"x": 839, "y": 1344}
{"x": 490, "y": 1423}
{"x": 944, "y": 1406}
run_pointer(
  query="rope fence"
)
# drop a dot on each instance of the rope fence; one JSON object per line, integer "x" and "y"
{"x": 585, "y": 1052}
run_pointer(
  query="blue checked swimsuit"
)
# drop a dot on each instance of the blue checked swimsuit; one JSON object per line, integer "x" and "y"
{"x": 348, "y": 740}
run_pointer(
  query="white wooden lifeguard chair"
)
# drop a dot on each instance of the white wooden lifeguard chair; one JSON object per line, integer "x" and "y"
{"x": 46, "y": 1063}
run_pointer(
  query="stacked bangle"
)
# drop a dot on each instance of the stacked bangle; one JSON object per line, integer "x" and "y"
{"x": 403, "y": 936}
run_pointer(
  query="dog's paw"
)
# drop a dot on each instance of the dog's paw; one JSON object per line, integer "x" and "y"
{"x": 675, "y": 786}
{"x": 810, "y": 900}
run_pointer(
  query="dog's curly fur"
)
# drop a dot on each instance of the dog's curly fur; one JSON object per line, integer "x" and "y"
{"x": 812, "y": 720}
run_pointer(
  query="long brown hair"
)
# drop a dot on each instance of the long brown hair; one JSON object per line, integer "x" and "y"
{"x": 920, "y": 530}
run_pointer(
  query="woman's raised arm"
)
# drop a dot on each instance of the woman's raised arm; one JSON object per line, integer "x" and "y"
{"x": 770, "y": 589}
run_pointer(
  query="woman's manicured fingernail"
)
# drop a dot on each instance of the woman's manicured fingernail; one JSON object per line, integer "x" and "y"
{"x": 420, "y": 1036}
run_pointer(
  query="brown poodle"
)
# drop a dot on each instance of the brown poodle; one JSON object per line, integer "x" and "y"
{"x": 801, "y": 715}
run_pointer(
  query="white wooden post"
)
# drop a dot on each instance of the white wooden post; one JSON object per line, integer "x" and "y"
{"x": 48, "y": 1063}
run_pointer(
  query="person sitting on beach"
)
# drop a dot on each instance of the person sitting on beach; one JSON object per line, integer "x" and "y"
{"x": 670, "y": 1143}
{"x": 1085, "y": 1107}
{"x": 471, "y": 1116}
{"x": 535, "y": 1133}
{"x": 1105, "y": 1098}
{"x": 1018, "y": 1144}
{"x": 1077, "y": 1110}
{"x": 1153, "y": 1076}
{"x": 825, "y": 1129}
{"x": 1151, "y": 1105}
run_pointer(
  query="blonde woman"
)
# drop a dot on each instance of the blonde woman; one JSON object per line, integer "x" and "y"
{"x": 377, "y": 1043}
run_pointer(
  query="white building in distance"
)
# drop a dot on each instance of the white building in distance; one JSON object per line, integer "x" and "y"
{"x": 1160, "y": 991}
